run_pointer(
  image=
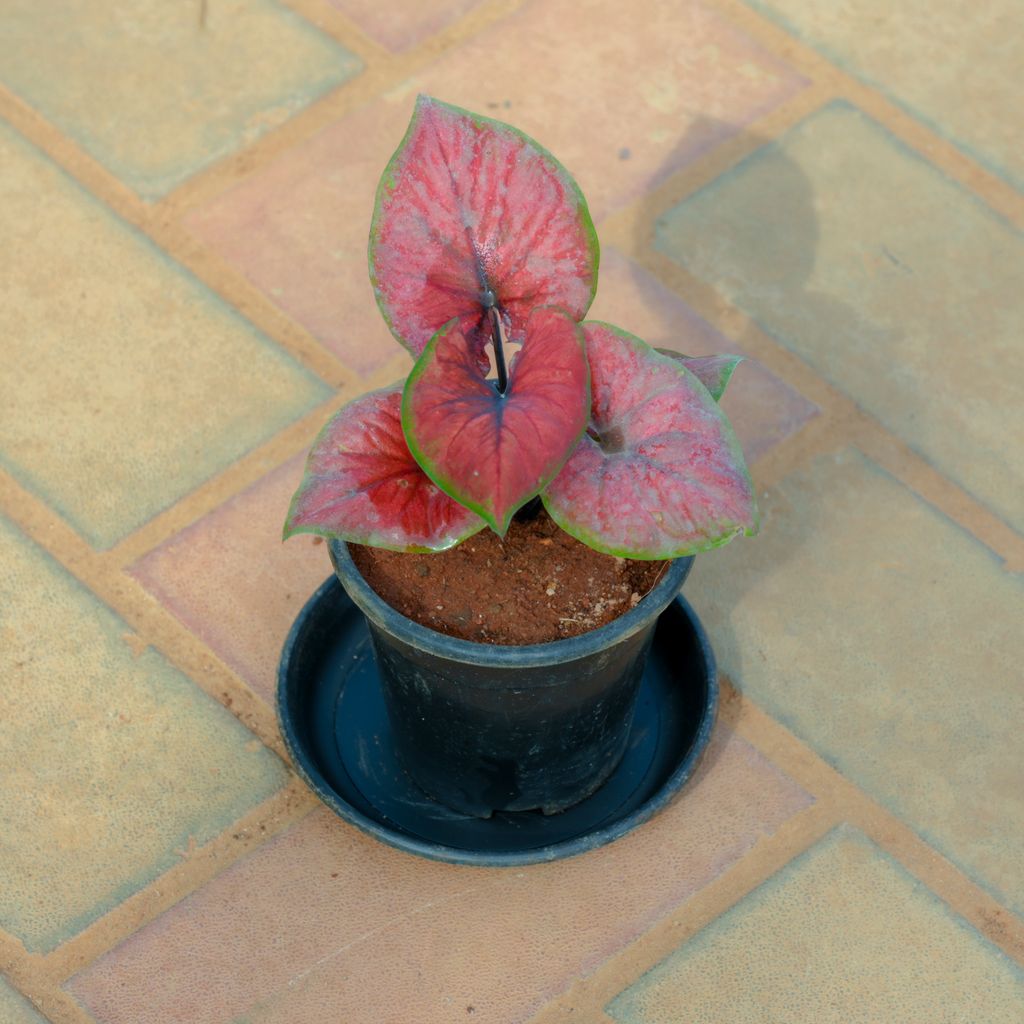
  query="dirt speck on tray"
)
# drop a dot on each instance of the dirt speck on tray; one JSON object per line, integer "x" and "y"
{"x": 535, "y": 585}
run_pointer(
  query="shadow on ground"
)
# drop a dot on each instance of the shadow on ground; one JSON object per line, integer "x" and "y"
{"x": 785, "y": 224}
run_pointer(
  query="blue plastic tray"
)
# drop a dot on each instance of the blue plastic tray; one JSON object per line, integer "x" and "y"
{"x": 334, "y": 725}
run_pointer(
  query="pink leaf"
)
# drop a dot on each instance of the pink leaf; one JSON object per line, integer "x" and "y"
{"x": 714, "y": 372}
{"x": 494, "y": 452}
{"x": 362, "y": 484}
{"x": 659, "y": 473}
{"x": 468, "y": 206}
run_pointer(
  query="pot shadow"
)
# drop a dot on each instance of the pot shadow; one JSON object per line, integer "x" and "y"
{"x": 782, "y": 222}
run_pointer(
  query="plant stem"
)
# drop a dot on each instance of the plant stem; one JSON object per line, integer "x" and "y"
{"x": 499, "y": 350}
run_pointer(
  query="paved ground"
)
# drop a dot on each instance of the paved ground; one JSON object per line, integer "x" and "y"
{"x": 832, "y": 189}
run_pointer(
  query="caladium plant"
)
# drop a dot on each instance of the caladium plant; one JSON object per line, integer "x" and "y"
{"x": 481, "y": 242}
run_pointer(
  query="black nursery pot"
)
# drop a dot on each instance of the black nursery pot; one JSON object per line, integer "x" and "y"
{"x": 484, "y": 728}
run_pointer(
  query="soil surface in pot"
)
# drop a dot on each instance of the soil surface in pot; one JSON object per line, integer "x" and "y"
{"x": 536, "y": 585}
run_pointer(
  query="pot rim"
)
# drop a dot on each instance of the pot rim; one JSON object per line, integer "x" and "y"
{"x": 379, "y": 612}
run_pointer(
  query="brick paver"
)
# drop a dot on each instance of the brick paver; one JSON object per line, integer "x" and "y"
{"x": 127, "y": 382}
{"x": 353, "y": 925}
{"x": 827, "y": 919}
{"x": 400, "y": 28}
{"x": 896, "y": 285}
{"x": 234, "y": 558}
{"x": 916, "y": 705}
{"x": 118, "y": 766}
{"x": 763, "y": 409}
{"x": 969, "y": 95}
{"x": 156, "y": 91}
{"x": 832, "y": 191}
{"x": 16, "y": 1009}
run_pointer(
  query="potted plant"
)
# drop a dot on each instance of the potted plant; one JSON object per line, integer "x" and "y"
{"x": 484, "y": 262}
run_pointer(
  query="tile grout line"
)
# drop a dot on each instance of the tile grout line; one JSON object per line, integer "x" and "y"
{"x": 41, "y": 977}
{"x": 898, "y": 458}
{"x": 224, "y": 486}
{"x": 384, "y": 73}
{"x": 342, "y": 29}
{"x": 174, "y": 242}
{"x": 589, "y": 996}
{"x": 141, "y": 612}
{"x": 837, "y": 801}
{"x": 346, "y": 31}
{"x": 949, "y": 883}
{"x": 846, "y": 421}
{"x": 221, "y": 176}
{"x": 933, "y": 147}
{"x": 46, "y": 997}
{"x": 246, "y": 471}
{"x": 710, "y": 165}
{"x": 275, "y": 815}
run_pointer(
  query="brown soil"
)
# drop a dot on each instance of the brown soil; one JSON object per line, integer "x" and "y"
{"x": 536, "y": 585}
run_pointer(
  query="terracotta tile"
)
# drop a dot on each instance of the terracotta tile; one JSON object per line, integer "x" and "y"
{"x": 156, "y": 91}
{"x": 404, "y": 24}
{"x": 127, "y": 383}
{"x": 888, "y": 279}
{"x": 887, "y": 638}
{"x": 971, "y": 93}
{"x": 114, "y": 764}
{"x": 324, "y": 923}
{"x": 763, "y": 409}
{"x": 622, "y": 94}
{"x": 316, "y": 894}
{"x": 842, "y": 935}
{"x": 298, "y": 229}
{"x": 15, "y": 1009}
{"x": 232, "y": 581}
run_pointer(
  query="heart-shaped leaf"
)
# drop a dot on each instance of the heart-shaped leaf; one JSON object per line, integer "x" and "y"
{"x": 362, "y": 484}
{"x": 493, "y": 452}
{"x": 714, "y": 372}
{"x": 472, "y": 213}
{"x": 659, "y": 473}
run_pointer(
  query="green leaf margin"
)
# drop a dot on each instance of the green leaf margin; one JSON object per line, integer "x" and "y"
{"x": 388, "y": 180}
{"x": 424, "y": 463}
{"x": 595, "y": 542}
{"x": 350, "y": 537}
